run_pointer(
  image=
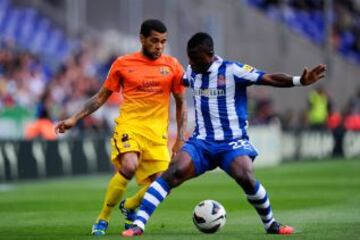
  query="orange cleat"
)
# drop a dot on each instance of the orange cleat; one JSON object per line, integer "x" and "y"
{"x": 132, "y": 231}
{"x": 277, "y": 228}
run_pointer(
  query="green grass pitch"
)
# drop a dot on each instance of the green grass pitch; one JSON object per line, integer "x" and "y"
{"x": 320, "y": 199}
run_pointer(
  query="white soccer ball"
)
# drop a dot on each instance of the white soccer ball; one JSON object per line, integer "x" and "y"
{"x": 209, "y": 216}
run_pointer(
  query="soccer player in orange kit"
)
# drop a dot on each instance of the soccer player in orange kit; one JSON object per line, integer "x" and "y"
{"x": 139, "y": 143}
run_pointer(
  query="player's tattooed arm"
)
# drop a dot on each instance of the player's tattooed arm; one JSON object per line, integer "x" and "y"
{"x": 90, "y": 106}
{"x": 94, "y": 103}
{"x": 284, "y": 80}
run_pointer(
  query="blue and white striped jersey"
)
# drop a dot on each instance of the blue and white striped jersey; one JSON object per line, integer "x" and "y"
{"x": 220, "y": 99}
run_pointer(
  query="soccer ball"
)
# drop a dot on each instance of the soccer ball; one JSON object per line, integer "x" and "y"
{"x": 209, "y": 216}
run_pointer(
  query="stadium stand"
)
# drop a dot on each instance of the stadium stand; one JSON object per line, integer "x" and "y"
{"x": 308, "y": 17}
{"x": 43, "y": 70}
{"x": 35, "y": 51}
{"x": 69, "y": 69}
{"x": 30, "y": 30}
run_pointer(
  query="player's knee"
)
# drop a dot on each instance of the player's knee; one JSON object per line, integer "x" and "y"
{"x": 128, "y": 170}
{"x": 129, "y": 166}
{"x": 175, "y": 175}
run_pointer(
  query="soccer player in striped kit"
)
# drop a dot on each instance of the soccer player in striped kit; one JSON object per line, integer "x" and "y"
{"x": 220, "y": 138}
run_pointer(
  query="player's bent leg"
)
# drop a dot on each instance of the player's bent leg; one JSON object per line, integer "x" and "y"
{"x": 115, "y": 190}
{"x": 128, "y": 206}
{"x": 181, "y": 168}
{"x": 242, "y": 172}
{"x": 155, "y": 194}
{"x": 113, "y": 195}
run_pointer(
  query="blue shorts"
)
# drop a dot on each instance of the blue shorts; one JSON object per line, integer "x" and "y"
{"x": 207, "y": 155}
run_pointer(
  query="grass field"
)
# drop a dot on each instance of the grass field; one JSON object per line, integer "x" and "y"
{"x": 320, "y": 199}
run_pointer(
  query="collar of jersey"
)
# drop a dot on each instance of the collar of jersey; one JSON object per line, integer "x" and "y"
{"x": 217, "y": 62}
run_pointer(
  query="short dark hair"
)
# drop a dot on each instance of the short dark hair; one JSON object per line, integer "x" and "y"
{"x": 152, "y": 25}
{"x": 203, "y": 41}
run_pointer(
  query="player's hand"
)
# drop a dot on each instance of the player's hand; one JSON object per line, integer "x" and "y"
{"x": 177, "y": 146}
{"x": 64, "y": 125}
{"x": 311, "y": 76}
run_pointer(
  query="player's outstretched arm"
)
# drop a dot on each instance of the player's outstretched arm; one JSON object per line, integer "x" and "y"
{"x": 90, "y": 106}
{"x": 284, "y": 80}
{"x": 181, "y": 121}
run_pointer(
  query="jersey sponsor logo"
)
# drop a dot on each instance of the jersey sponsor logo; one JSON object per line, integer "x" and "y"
{"x": 165, "y": 70}
{"x": 209, "y": 92}
{"x": 150, "y": 86}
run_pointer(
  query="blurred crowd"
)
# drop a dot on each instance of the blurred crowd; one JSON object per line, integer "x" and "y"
{"x": 321, "y": 113}
{"x": 309, "y": 18}
{"x": 34, "y": 92}
{"x": 30, "y": 91}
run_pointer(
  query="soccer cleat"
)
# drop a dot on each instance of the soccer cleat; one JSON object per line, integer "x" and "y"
{"x": 133, "y": 231}
{"x": 129, "y": 214}
{"x": 277, "y": 228}
{"x": 99, "y": 228}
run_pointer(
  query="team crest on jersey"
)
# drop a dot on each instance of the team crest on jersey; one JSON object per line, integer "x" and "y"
{"x": 125, "y": 137}
{"x": 221, "y": 81}
{"x": 165, "y": 70}
{"x": 125, "y": 140}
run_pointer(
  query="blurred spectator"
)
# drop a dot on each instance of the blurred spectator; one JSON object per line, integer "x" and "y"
{"x": 318, "y": 109}
{"x": 334, "y": 119}
{"x": 264, "y": 113}
{"x": 335, "y": 125}
{"x": 42, "y": 127}
{"x": 287, "y": 119}
{"x": 352, "y": 114}
{"x": 260, "y": 107}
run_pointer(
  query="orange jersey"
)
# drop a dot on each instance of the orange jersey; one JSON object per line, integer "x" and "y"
{"x": 146, "y": 86}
